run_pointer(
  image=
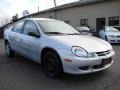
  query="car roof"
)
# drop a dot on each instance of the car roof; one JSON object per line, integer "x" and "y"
{"x": 35, "y": 19}
{"x": 112, "y": 26}
{"x": 46, "y": 19}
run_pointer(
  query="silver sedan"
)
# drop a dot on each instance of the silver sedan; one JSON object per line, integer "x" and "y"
{"x": 110, "y": 34}
{"x": 58, "y": 47}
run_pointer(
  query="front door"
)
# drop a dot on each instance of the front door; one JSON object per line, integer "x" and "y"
{"x": 31, "y": 44}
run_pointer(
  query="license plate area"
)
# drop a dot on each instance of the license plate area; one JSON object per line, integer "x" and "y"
{"x": 106, "y": 61}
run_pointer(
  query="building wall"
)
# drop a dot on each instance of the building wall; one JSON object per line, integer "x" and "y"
{"x": 45, "y": 15}
{"x": 90, "y": 12}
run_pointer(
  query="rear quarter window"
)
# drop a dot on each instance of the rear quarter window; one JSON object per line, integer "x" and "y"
{"x": 18, "y": 27}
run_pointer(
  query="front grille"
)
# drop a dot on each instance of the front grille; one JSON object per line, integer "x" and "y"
{"x": 97, "y": 66}
{"x": 112, "y": 40}
{"x": 103, "y": 53}
{"x": 84, "y": 68}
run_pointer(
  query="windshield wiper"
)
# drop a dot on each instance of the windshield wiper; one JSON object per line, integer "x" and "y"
{"x": 62, "y": 33}
{"x": 53, "y": 33}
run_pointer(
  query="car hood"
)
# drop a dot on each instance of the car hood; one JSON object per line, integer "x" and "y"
{"x": 113, "y": 33}
{"x": 89, "y": 43}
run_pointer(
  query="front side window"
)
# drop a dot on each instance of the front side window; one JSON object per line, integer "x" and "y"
{"x": 30, "y": 27}
{"x": 56, "y": 27}
{"x": 18, "y": 27}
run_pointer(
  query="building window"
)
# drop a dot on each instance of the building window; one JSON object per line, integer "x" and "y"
{"x": 113, "y": 21}
{"x": 67, "y": 21}
{"x": 84, "y": 22}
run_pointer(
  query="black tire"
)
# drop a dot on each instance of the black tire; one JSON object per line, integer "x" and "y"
{"x": 8, "y": 51}
{"x": 52, "y": 64}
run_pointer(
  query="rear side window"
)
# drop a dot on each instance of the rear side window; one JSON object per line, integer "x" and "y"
{"x": 18, "y": 27}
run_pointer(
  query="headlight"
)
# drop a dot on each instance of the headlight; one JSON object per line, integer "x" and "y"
{"x": 111, "y": 36}
{"x": 78, "y": 51}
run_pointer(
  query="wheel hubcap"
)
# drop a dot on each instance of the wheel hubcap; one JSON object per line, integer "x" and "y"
{"x": 51, "y": 64}
{"x": 7, "y": 49}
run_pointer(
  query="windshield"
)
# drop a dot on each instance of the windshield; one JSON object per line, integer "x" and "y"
{"x": 56, "y": 27}
{"x": 117, "y": 28}
{"x": 112, "y": 29}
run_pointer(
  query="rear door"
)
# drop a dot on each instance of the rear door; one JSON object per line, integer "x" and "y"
{"x": 15, "y": 38}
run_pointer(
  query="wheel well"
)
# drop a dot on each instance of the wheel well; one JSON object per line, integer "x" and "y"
{"x": 45, "y": 50}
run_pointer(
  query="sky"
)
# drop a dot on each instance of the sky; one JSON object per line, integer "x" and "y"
{"x": 9, "y": 8}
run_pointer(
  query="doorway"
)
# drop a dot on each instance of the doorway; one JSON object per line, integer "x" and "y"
{"x": 100, "y": 22}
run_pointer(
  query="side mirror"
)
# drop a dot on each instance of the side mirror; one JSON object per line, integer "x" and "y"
{"x": 33, "y": 34}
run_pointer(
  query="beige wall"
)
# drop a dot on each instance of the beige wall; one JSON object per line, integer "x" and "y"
{"x": 90, "y": 12}
{"x": 45, "y": 15}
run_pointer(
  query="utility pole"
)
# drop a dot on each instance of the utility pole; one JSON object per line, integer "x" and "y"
{"x": 38, "y": 9}
{"x": 55, "y": 3}
{"x": 55, "y": 10}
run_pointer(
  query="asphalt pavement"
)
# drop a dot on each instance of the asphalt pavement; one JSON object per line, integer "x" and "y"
{"x": 19, "y": 73}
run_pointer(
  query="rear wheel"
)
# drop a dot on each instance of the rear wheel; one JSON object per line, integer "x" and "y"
{"x": 8, "y": 51}
{"x": 52, "y": 64}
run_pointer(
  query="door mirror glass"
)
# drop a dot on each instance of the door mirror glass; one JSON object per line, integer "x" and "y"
{"x": 33, "y": 34}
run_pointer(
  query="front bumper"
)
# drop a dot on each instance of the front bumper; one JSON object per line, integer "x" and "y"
{"x": 114, "y": 40}
{"x": 85, "y": 65}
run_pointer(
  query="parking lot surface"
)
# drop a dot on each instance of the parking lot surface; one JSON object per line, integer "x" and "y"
{"x": 19, "y": 73}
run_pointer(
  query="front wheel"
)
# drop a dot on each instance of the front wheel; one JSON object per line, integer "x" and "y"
{"x": 52, "y": 64}
{"x": 8, "y": 51}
